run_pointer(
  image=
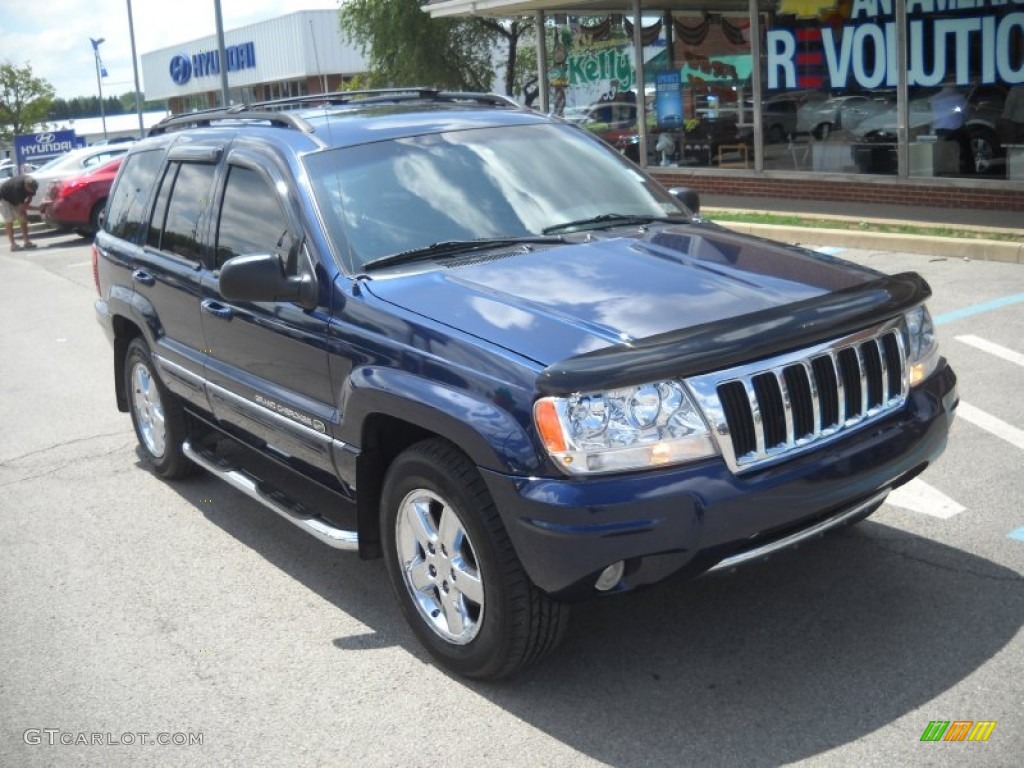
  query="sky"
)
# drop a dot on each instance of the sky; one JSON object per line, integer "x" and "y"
{"x": 53, "y": 35}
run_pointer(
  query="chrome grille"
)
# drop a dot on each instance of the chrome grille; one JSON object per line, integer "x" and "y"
{"x": 770, "y": 410}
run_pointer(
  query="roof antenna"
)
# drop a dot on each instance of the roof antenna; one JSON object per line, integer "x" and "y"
{"x": 323, "y": 80}
{"x": 316, "y": 56}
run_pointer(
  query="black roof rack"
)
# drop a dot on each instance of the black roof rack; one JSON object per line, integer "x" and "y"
{"x": 277, "y": 112}
{"x": 208, "y": 116}
{"x": 385, "y": 95}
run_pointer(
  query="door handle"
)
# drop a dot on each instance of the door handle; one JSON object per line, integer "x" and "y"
{"x": 217, "y": 309}
{"x": 139, "y": 276}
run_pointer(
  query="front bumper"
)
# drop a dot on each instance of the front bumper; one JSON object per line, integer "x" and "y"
{"x": 566, "y": 530}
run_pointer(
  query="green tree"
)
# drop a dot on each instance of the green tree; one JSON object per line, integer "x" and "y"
{"x": 518, "y": 35}
{"x": 24, "y": 100}
{"x": 405, "y": 47}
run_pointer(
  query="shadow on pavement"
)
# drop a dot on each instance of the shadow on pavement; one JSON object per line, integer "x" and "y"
{"x": 774, "y": 663}
{"x": 52, "y": 239}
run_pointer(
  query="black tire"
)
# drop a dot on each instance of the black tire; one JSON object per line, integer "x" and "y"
{"x": 94, "y": 216}
{"x": 503, "y": 623}
{"x": 157, "y": 415}
{"x": 776, "y": 134}
{"x": 983, "y": 151}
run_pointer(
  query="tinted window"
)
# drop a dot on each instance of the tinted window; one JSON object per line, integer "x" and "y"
{"x": 126, "y": 215}
{"x": 251, "y": 220}
{"x": 188, "y": 198}
{"x": 156, "y": 226}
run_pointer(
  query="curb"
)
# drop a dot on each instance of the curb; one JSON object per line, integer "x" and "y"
{"x": 950, "y": 247}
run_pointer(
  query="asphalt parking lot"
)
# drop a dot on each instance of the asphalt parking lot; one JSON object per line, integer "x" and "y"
{"x": 135, "y": 609}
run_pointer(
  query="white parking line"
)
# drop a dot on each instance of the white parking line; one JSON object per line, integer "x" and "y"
{"x": 81, "y": 264}
{"x": 992, "y": 349}
{"x": 990, "y": 423}
{"x": 918, "y": 496}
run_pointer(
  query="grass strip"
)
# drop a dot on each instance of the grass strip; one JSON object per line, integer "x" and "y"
{"x": 862, "y": 226}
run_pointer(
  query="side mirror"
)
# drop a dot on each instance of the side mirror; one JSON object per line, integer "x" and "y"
{"x": 261, "y": 277}
{"x": 687, "y": 197}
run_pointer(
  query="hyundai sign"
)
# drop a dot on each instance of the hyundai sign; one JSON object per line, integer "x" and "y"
{"x": 37, "y": 148}
{"x": 183, "y": 67}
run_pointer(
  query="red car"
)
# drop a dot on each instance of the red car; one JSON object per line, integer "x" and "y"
{"x": 76, "y": 203}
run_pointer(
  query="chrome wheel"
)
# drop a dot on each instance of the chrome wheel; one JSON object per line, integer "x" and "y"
{"x": 439, "y": 566}
{"x": 982, "y": 152}
{"x": 149, "y": 410}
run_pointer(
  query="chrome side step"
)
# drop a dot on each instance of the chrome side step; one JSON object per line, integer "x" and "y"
{"x": 849, "y": 515}
{"x": 292, "y": 511}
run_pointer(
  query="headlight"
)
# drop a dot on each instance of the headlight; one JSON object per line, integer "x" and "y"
{"x": 922, "y": 347}
{"x": 637, "y": 427}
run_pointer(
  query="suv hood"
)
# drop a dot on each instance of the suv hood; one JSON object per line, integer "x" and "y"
{"x": 556, "y": 302}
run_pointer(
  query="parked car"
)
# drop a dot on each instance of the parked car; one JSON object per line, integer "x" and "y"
{"x": 523, "y": 372}
{"x": 697, "y": 142}
{"x": 77, "y": 203}
{"x": 822, "y": 118}
{"x": 981, "y": 151}
{"x": 779, "y": 119}
{"x": 7, "y": 169}
{"x": 68, "y": 165}
{"x": 615, "y": 123}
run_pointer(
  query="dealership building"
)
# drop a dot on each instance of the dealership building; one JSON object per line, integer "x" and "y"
{"x": 294, "y": 55}
{"x": 795, "y": 98}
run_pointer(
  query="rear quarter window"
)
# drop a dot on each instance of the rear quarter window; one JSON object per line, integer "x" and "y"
{"x": 127, "y": 212}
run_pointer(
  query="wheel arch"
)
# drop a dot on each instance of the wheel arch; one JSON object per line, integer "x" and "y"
{"x": 387, "y": 411}
{"x": 124, "y": 331}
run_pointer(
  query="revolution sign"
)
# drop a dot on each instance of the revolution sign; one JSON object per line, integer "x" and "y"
{"x": 971, "y": 41}
{"x": 37, "y": 148}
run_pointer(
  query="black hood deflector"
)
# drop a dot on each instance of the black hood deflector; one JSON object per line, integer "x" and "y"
{"x": 735, "y": 340}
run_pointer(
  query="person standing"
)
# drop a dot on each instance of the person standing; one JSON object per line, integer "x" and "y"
{"x": 15, "y": 195}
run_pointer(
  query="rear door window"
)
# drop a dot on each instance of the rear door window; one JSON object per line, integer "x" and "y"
{"x": 178, "y": 213}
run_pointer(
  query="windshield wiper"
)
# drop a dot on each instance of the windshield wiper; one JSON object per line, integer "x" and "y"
{"x": 608, "y": 220}
{"x": 449, "y": 247}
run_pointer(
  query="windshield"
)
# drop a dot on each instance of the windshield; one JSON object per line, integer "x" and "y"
{"x": 516, "y": 181}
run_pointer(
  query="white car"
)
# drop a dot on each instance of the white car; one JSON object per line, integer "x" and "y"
{"x": 821, "y": 118}
{"x": 71, "y": 164}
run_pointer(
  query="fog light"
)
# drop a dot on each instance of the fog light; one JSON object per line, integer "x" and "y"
{"x": 610, "y": 576}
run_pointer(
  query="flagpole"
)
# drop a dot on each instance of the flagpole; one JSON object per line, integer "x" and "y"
{"x": 99, "y": 83}
{"x": 135, "y": 68}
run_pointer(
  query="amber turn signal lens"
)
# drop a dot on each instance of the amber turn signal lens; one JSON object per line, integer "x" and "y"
{"x": 548, "y": 425}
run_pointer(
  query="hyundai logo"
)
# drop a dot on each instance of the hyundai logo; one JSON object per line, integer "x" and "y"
{"x": 181, "y": 69}
{"x": 45, "y": 138}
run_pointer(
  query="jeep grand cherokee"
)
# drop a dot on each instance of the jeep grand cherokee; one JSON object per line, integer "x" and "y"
{"x": 518, "y": 369}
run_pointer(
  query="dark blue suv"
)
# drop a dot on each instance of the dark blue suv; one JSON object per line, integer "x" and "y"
{"x": 476, "y": 341}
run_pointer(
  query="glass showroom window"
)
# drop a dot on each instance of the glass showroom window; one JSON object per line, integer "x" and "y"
{"x": 711, "y": 56}
{"x": 830, "y": 79}
{"x": 965, "y": 80}
{"x": 818, "y": 97}
{"x": 697, "y": 89}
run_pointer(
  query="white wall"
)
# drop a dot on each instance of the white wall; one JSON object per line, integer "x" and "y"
{"x": 287, "y": 48}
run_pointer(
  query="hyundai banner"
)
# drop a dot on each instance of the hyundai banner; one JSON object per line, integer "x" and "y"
{"x": 38, "y": 148}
